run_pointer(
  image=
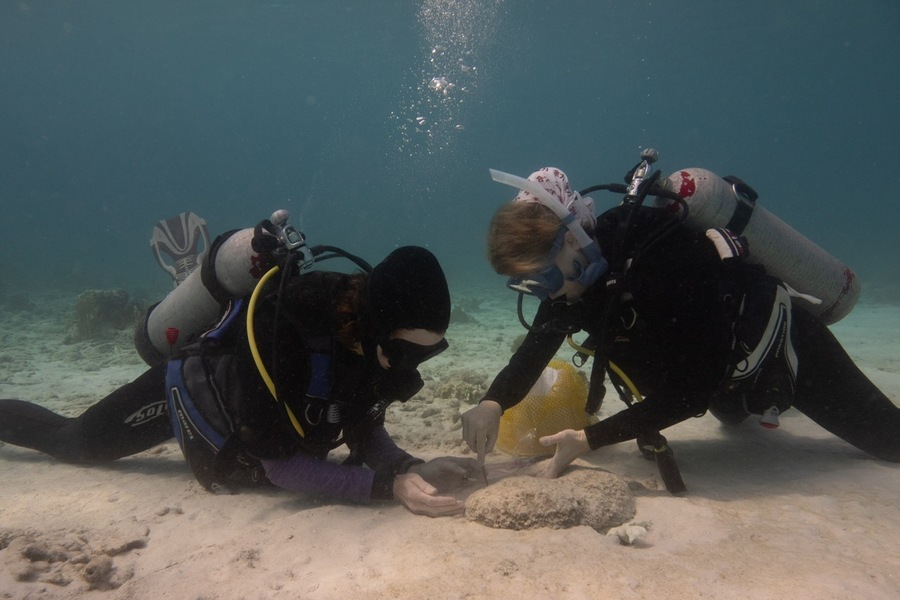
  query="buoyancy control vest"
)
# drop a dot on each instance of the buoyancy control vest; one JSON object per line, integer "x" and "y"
{"x": 204, "y": 391}
{"x": 213, "y": 421}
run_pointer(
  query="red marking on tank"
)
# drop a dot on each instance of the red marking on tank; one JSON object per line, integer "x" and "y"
{"x": 849, "y": 278}
{"x": 172, "y": 335}
{"x": 257, "y": 266}
{"x": 688, "y": 185}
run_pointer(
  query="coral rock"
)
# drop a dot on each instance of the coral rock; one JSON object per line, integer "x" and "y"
{"x": 97, "y": 311}
{"x": 582, "y": 496}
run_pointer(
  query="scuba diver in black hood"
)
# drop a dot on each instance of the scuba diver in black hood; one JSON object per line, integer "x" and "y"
{"x": 310, "y": 361}
{"x": 674, "y": 314}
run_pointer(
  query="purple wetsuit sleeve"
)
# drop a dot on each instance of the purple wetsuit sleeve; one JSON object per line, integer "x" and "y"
{"x": 381, "y": 453}
{"x": 308, "y": 474}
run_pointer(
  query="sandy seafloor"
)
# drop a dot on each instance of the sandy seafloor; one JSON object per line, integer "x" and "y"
{"x": 791, "y": 513}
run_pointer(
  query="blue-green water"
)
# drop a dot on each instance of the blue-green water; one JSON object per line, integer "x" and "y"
{"x": 374, "y": 123}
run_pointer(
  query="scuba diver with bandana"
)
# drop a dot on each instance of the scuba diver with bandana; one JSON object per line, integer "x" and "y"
{"x": 676, "y": 315}
{"x": 323, "y": 357}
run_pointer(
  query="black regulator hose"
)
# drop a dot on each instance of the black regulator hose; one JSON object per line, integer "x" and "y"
{"x": 319, "y": 254}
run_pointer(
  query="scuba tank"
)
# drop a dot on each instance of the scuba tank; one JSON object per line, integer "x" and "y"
{"x": 785, "y": 253}
{"x": 232, "y": 268}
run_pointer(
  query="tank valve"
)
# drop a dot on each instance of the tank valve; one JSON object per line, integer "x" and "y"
{"x": 650, "y": 155}
{"x": 292, "y": 239}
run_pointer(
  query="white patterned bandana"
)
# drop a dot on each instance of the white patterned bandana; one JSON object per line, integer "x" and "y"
{"x": 557, "y": 184}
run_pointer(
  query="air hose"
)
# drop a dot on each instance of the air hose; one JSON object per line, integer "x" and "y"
{"x": 254, "y": 348}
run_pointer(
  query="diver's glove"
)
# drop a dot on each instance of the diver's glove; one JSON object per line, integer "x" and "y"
{"x": 397, "y": 384}
{"x": 481, "y": 426}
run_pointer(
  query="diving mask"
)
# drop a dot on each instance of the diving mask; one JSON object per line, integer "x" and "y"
{"x": 552, "y": 279}
{"x": 403, "y": 354}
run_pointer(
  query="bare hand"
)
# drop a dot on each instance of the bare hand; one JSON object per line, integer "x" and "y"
{"x": 421, "y": 498}
{"x": 570, "y": 444}
{"x": 448, "y": 473}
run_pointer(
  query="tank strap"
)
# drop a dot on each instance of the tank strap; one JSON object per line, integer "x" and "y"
{"x": 231, "y": 310}
{"x": 321, "y": 350}
{"x": 746, "y": 201}
{"x": 208, "y": 269}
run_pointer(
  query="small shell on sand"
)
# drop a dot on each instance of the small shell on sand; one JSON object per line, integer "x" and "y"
{"x": 629, "y": 533}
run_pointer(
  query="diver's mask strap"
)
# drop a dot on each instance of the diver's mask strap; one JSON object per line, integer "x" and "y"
{"x": 596, "y": 267}
{"x": 544, "y": 197}
{"x": 542, "y": 284}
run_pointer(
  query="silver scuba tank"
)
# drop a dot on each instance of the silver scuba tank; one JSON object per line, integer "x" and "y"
{"x": 786, "y": 254}
{"x": 231, "y": 269}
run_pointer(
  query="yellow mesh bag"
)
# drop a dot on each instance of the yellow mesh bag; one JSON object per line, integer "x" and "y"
{"x": 555, "y": 402}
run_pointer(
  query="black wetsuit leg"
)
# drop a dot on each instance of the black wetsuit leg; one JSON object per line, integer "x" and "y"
{"x": 131, "y": 419}
{"x": 833, "y": 392}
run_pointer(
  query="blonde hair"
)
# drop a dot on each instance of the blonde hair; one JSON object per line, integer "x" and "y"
{"x": 520, "y": 237}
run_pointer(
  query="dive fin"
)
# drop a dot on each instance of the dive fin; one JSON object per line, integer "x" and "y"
{"x": 176, "y": 244}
